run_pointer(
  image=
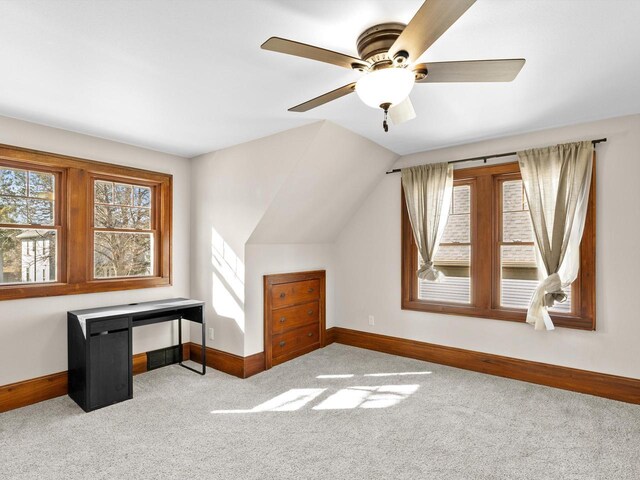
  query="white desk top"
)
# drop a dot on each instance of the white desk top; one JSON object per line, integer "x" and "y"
{"x": 130, "y": 309}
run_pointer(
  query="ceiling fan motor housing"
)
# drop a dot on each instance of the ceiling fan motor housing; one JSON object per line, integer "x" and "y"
{"x": 374, "y": 44}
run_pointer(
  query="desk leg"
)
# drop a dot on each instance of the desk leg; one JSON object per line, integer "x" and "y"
{"x": 204, "y": 347}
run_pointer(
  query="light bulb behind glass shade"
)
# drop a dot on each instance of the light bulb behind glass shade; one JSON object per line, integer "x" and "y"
{"x": 390, "y": 85}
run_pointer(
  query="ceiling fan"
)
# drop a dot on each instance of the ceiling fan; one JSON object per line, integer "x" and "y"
{"x": 388, "y": 53}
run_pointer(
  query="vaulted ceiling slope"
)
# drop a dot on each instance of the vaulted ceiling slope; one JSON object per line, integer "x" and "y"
{"x": 189, "y": 77}
{"x": 324, "y": 189}
{"x": 298, "y": 186}
{"x": 231, "y": 189}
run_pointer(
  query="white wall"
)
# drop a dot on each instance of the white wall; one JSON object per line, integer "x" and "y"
{"x": 221, "y": 199}
{"x": 367, "y": 262}
{"x": 230, "y": 191}
{"x": 270, "y": 206}
{"x": 33, "y": 332}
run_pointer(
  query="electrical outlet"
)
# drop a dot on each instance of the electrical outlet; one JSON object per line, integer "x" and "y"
{"x": 371, "y": 320}
{"x": 211, "y": 335}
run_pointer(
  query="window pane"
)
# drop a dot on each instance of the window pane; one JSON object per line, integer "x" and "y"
{"x": 122, "y": 217}
{"x": 458, "y": 229}
{"x": 13, "y": 182}
{"x": 123, "y": 194}
{"x": 103, "y": 192}
{"x": 461, "y": 199}
{"x": 27, "y": 255}
{"x": 13, "y": 210}
{"x": 119, "y": 254}
{"x": 516, "y": 227}
{"x": 113, "y": 206}
{"x": 26, "y": 211}
{"x": 455, "y": 262}
{"x": 516, "y": 222}
{"x": 142, "y": 196}
{"x": 519, "y": 278}
{"x": 24, "y": 204}
{"x": 41, "y": 185}
{"x": 40, "y": 212}
{"x": 513, "y": 198}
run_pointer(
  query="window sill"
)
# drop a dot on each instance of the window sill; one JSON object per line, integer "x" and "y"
{"x": 559, "y": 320}
{"x": 14, "y": 292}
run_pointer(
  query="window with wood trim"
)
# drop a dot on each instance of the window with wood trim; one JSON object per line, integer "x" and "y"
{"x": 488, "y": 254}
{"x": 124, "y": 231}
{"x": 69, "y": 225}
{"x": 30, "y": 224}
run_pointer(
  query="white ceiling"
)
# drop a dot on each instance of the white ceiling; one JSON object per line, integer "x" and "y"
{"x": 188, "y": 77}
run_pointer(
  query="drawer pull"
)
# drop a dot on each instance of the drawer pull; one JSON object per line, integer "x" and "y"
{"x": 281, "y": 344}
{"x": 310, "y": 312}
{"x": 282, "y": 295}
{"x": 282, "y": 320}
{"x": 310, "y": 290}
{"x": 310, "y": 334}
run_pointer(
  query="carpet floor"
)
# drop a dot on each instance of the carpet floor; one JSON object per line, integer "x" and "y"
{"x": 336, "y": 413}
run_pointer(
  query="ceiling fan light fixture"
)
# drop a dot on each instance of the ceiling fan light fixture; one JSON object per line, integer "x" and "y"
{"x": 385, "y": 86}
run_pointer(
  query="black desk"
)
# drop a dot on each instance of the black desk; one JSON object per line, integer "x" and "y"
{"x": 100, "y": 348}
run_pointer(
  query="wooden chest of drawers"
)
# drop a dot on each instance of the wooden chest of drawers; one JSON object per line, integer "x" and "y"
{"x": 294, "y": 315}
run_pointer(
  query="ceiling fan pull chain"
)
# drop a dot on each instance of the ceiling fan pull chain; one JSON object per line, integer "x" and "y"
{"x": 385, "y": 107}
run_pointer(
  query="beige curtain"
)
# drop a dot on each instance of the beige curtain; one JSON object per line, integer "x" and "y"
{"x": 556, "y": 181}
{"x": 427, "y": 192}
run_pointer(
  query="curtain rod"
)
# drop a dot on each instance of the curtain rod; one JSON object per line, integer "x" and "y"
{"x": 487, "y": 157}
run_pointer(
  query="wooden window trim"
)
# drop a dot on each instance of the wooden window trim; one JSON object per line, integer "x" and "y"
{"x": 74, "y": 205}
{"x": 485, "y": 272}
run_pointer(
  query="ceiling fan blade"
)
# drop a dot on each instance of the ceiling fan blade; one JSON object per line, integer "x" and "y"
{"x": 432, "y": 19}
{"x": 402, "y": 112}
{"x": 471, "y": 71}
{"x": 291, "y": 47}
{"x": 326, "y": 98}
